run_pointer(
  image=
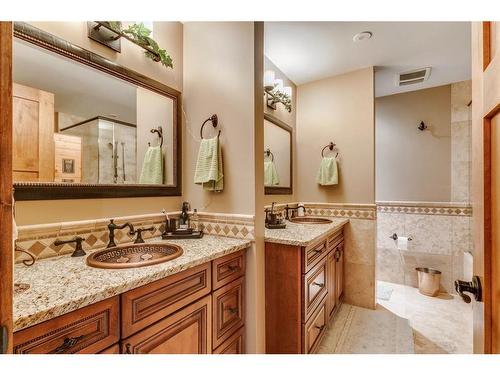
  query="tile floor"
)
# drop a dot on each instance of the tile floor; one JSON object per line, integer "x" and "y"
{"x": 407, "y": 322}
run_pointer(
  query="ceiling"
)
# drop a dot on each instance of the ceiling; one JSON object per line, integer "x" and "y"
{"x": 78, "y": 90}
{"x": 309, "y": 51}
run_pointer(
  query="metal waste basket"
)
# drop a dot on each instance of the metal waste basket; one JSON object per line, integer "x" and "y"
{"x": 428, "y": 281}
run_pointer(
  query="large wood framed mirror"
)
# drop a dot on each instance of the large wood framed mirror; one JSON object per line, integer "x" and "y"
{"x": 86, "y": 127}
{"x": 278, "y": 156}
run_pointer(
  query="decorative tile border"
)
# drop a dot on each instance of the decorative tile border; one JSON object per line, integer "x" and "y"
{"x": 38, "y": 240}
{"x": 426, "y": 208}
{"x": 343, "y": 210}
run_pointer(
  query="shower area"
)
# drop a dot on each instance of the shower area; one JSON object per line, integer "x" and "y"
{"x": 423, "y": 169}
{"x": 109, "y": 152}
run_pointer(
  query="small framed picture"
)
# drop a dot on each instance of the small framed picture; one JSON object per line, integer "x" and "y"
{"x": 68, "y": 165}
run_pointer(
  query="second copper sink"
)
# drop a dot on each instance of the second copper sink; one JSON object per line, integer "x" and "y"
{"x": 310, "y": 220}
{"x": 132, "y": 256}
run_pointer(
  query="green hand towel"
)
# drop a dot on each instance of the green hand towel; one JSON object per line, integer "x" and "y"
{"x": 328, "y": 173}
{"x": 152, "y": 166}
{"x": 209, "y": 172}
{"x": 270, "y": 174}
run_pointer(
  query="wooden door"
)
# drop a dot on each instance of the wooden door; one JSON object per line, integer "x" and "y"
{"x": 6, "y": 252}
{"x": 486, "y": 182}
{"x": 186, "y": 332}
{"x": 33, "y": 134}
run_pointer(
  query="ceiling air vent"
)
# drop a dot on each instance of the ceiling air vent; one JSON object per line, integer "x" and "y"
{"x": 413, "y": 76}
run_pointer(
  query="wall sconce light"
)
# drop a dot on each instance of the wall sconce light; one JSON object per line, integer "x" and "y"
{"x": 275, "y": 92}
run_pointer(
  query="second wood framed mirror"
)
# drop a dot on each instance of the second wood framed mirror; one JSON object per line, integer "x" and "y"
{"x": 278, "y": 156}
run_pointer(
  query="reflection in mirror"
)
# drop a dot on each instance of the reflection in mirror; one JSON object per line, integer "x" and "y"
{"x": 75, "y": 124}
{"x": 277, "y": 156}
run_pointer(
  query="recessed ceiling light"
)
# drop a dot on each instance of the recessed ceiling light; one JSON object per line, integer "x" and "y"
{"x": 364, "y": 35}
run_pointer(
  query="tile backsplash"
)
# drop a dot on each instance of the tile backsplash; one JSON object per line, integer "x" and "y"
{"x": 38, "y": 240}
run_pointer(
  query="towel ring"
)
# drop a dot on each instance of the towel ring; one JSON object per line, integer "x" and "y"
{"x": 330, "y": 146}
{"x": 158, "y": 130}
{"x": 269, "y": 154}
{"x": 215, "y": 122}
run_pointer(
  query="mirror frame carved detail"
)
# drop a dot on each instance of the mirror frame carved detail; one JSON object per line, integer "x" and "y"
{"x": 49, "y": 191}
{"x": 281, "y": 190}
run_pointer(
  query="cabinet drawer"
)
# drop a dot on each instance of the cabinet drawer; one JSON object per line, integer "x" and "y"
{"x": 233, "y": 345}
{"x": 148, "y": 304}
{"x": 314, "y": 329}
{"x": 315, "y": 288}
{"x": 87, "y": 330}
{"x": 228, "y": 311}
{"x": 185, "y": 332}
{"x": 228, "y": 268}
{"x": 334, "y": 239}
{"x": 313, "y": 254}
{"x": 115, "y": 349}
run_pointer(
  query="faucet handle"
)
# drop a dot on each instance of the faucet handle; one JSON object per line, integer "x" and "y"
{"x": 139, "y": 231}
{"x": 79, "y": 252}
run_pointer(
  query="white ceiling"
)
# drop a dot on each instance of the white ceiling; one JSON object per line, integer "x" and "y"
{"x": 309, "y": 51}
{"x": 78, "y": 89}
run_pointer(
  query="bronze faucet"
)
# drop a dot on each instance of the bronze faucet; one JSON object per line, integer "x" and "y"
{"x": 112, "y": 227}
{"x": 78, "y": 246}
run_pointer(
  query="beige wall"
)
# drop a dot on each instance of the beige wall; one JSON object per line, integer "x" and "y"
{"x": 338, "y": 109}
{"x": 169, "y": 36}
{"x": 219, "y": 78}
{"x": 413, "y": 165}
{"x": 290, "y": 119}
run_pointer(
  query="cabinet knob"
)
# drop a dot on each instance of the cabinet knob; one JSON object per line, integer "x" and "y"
{"x": 232, "y": 310}
{"x": 321, "y": 285}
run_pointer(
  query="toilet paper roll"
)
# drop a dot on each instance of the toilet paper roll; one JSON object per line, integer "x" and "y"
{"x": 468, "y": 266}
{"x": 402, "y": 243}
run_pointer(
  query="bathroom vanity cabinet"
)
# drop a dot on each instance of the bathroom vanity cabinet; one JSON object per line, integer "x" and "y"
{"x": 196, "y": 311}
{"x": 304, "y": 288}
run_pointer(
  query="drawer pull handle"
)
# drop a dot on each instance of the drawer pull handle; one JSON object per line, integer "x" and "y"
{"x": 68, "y": 343}
{"x": 232, "y": 310}
{"x": 127, "y": 349}
{"x": 320, "y": 327}
{"x": 321, "y": 285}
{"x": 318, "y": 250}
{"x": 231, "y": 267}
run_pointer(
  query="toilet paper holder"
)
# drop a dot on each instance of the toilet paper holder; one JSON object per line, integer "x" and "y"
{"x": 395, "y": 237}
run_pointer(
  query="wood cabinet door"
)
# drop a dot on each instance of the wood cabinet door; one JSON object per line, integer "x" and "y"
{"x": 33, "y": 134}
{"x": 188, "y": 331}
{"x": 228, "y": 311}
{"x": 233, "y": 345}
{"x": 331, "y": 282}
{"x": 339, "y": 272}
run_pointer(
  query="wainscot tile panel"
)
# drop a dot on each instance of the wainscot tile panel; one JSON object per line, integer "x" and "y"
{"x": 441, "y": 233}
{"x": 38, "y": 240}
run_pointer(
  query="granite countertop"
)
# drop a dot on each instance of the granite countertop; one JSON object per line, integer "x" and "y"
{"x": 302, "y": 234}
{"x": 63, "y": 284}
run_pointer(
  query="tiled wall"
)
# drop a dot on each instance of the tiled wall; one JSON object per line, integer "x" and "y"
{"x": 38, "y": 240}
{"x": 360, "y": 245}
{"x": 461, "y": 124}
{"x": 441, "y": 234}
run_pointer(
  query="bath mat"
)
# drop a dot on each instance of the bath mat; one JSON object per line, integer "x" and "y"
{"x": 384, "y": 292}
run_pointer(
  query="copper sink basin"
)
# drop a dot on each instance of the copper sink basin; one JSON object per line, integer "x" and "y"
{"x": 133, "y": 256}
{"x": 310, "y": 220}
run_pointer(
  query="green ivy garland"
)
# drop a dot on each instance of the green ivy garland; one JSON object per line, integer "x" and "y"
{"x": 140, "y": 34}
